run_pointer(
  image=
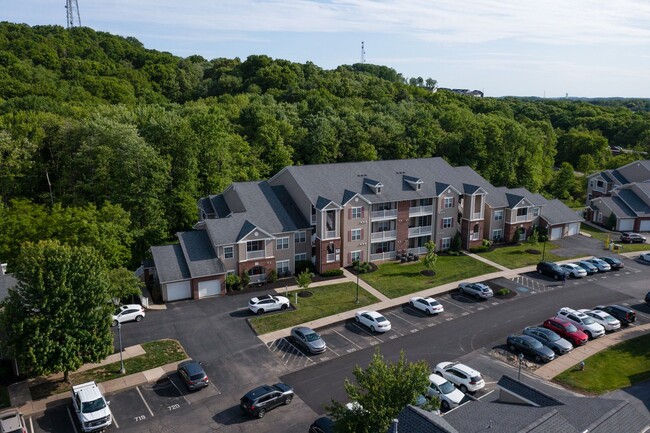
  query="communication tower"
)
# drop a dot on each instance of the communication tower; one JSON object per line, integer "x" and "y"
{"x": 72, "y": 13}
{"x": 363, "y": 52}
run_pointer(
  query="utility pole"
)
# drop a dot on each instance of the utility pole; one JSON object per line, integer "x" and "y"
{"x": 72, "y": 14}
{"x": 363, "y": 53}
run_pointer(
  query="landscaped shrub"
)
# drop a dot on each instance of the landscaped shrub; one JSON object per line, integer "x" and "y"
{"x": 456, "y": 243}
{"x": 479, "y": 249}
{"x": 304, "y": 265}
{"x": 245, "y": 279}
{"x": 333, "y": 273}
{"x": 233, "y": 282}
{"x": 503, "y": 291}
{"x": 362, "y": 268}
{"x": 515, "y": 237}
{"x": 271, "y": 276}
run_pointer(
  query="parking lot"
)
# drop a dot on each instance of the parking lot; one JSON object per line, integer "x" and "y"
{"x": 133, "y": 406}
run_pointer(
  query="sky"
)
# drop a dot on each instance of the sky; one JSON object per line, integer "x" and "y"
{"x": 547, "y": 48}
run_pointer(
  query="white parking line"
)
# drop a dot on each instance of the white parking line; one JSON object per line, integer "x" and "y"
{"x": 346, "y": 338}
{"x": 334, "y": 351}
{"x": 456, "y": 304}
{"x": 31, "y": 425}
{"x": 137, "y": 388}
{"x": 298, "y": 351}
{"x": 368, "y": 332}
{"x": 179, "y": 391}
{"x": 72, "y": 420}
{"x": 113, "y": 417}
{"x": 642, "y": 315}
{"x": 407, "y": 321}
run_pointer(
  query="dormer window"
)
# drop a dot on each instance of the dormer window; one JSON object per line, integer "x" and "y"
{"x": 374, "y": 185}
{"x": 414, "y": 182}
{"x": 377, "y": 190}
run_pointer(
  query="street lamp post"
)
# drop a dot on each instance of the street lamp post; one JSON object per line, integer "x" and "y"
{"x": 119, "y": 333}
{"x": 521, "y": 358}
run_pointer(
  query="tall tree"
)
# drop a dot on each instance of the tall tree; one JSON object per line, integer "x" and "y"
{"x": 58, "y": 316}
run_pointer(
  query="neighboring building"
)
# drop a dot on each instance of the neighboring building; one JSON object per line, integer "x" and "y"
{"x": 7, "y": 281}
{"x": 334, "y": 214}
{"x": 623, "y": 192}
{"x": 516, "y": 407}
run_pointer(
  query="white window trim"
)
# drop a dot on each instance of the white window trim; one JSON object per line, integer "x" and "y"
{"x": 281, "y": 242}
{"x": 300, "y": 237}
{"x": 445, "y": 243}
{"x": 295, "y": 257}
{"x": 498, "y": 213}
{"x": 232, "y": 252}
{"x": 282, "y": 262}
{"x": 444, "y": 223}
{"x": 448, "y": 203}
{"x": 356, "y": 234}
{"x": 359, "y": 210}
{"x": 352, "y": 254}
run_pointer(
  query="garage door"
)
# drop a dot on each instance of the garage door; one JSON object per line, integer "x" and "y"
{"x": 626, "y": 225}
{"x": 556, "y": 233}
{"x": 574, "y": 229}
{"x": 645, "y": 226}
{"x": 209, "y": 288}
{"x": 176, "y": 291}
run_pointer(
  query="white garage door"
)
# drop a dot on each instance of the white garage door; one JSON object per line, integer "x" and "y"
{"x": 556, "y": 233}
{"x": 645, "y": 226}
{"x": 574, "y": 229}
{"x": 180, "y": 290}
{"x": 626, "y": 225}
{"x": 209, "y": 288}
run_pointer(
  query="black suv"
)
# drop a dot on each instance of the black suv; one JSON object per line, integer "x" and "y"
{"x": 623, "y": 314}
{"x": 632, "y": 238}
{"x": 552, "y": 270}
{"x": 264, "y": 398}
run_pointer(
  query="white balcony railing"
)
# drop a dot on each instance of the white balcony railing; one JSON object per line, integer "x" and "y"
{"x": 331, "y": 258}
{"x": 329, "y": 234}
{"x": 421, "y": 230}
{"x": 259, "y": 278}
{"x": 382, "y": 256}
{"x": 388, "y": 234}
{"x": 477, "y": 216}
{"x": 521, "y": 218}
{"x": 255, "y": 254}
{"x": 419, "y": 210}
{"x": 418, "y": 250}
{"x": 381, "y": 214}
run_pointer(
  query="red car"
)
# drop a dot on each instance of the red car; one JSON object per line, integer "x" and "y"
{"x": 567, "y": 330}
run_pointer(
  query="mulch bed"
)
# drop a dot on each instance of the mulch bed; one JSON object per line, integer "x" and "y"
{"x": 428, "y": 273}
{"x": 278, "y": 284}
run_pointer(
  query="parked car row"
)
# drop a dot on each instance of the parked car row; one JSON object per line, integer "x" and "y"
{"x": 580, "y": 268}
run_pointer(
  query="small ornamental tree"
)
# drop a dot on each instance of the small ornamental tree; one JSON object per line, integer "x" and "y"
{"x": 533, "y": 239}
{"x": 303, "y": 280}
{"x": 456, "y": 243}
{"x": 515, "y": 237}
{"x": 430, "y": 257}
{"x": 232, "y": 281}
{"x": 611, "y": 221}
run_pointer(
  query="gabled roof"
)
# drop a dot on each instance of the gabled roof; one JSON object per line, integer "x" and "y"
{"x": 556, "y": 212}
{"x": 7, "y": 281}
{"x": 415, "y": 420}
{"x": 526, "y": 393}
{"x": 614, "y": 204}
{"x": 170, "y": 263}
{"x": 199, "y": 254}
{"x": 633, "y": 201}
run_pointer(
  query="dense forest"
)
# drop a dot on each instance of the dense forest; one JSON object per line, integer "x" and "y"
{"x": 106, "y": 143}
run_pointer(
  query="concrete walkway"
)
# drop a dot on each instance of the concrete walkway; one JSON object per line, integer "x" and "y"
{"x": 489, "y": 262}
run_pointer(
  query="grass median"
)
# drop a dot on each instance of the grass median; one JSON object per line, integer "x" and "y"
{"x": 325, "y": 301}
{"x": 613, "y": 237}
{"x": 516, "y": 256}
{"x": 396, "y": 279}
{"x": 158, "y": 353}
{"x": 619, "y": 366}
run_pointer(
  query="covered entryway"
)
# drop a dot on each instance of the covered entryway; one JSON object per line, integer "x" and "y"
{"x": 209, "y": 288}
{"x": 574, "y": 229}
{"x": 177, "y": 291}
{"x": 556, "y": 233}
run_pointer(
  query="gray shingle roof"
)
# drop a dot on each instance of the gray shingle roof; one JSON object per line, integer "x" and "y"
{"x": 556, "y": 212}
{"x": 170, "y": 263}
{"x": 415, "y": 420}
{"x": 269, "y": 208}
{"x": 635, "y": 202}
{"x": 620, "y": 209}
{"x": 199, "y": 254}
{"x": 605, "y": 175}
{"x": 624, "y": 418}
{"x": 7, "y": 281}
{"x": 527, "y": 392}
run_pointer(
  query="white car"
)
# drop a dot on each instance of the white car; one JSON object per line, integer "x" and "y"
{"x": 602, "y": 265}
{"x": 478, "y": 290}
{"x": 583, "y": 322}
{"x": 449, "y": 395}
{"x": 373, "y": 320}
{"x": 645, "y": 257}
{"x": 428, "y": 305}
{"x": 265, "y": 303}
{"x": 126, "y": 313}
{"x": 464, "y": 377}
{"x": 574, "y": 270}
{"x": 609, "y": 322}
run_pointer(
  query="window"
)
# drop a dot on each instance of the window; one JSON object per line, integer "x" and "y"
{"x": 300, "y": 257}
{"x": 449, "y": 202}
{"x": 378, "y": 190}
{"x": 522, "y": 211}
{"x": 228, "y": 252}
{"x": 356, "y": 234}
{"x": 356, "y": 212}
{"x": 282, "y": 267}
{"x": 497, "y": 235}
{"x": 445, "y": 243}
{"x": 300, "y": 237}
{"x": 535, "y": 211}
{"x": 447, "y": 223}
{"x": 600, "y": 184}
{"x": 282, "y": 244}
{"x": 355, "y": 256}
{"x": 498, "y": 215}
{"x": 254, "y": 246}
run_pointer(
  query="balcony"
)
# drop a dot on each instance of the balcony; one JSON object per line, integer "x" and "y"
{"x": 384, "y": 214}
{"x": 418, "y": 231}
{"x": 420, "y": 210}
{"x": 417, "y": 251}
{"x": 330, "y": 258}
{"x": 260, "y": 254}
{"x": 383, "y": 256}
{"x": 256, "y": 279}
{"x": 385, "y": 235}
{"x": 330, "y": 234}
{"x": 522, "y": 218}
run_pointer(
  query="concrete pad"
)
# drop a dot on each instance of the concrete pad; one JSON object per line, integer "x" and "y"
{"x": 154, "y": 374}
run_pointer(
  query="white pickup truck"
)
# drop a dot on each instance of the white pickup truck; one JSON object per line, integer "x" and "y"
{"x": 91, "y": 407}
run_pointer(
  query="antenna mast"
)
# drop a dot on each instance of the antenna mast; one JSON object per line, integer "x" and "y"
{"x": 363, "y": 52}
{"x": 72, "y": 13}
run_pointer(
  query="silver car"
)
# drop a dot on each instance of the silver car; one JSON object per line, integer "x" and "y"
{"x": 478, "y": 290}
{"x": 308, "y": 339}
{"x": 549, "y": 339}
{"x": 602, "y": 265}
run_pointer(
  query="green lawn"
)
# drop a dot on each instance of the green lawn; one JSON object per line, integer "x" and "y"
{"x": 325, "y": 301}
{"x": 603, "y": 236}
{"x": 396, "y": 279}
{"x": 158, "y": 353}
{"x": 619, "y": 366}
{"x": 515, "y": 256}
